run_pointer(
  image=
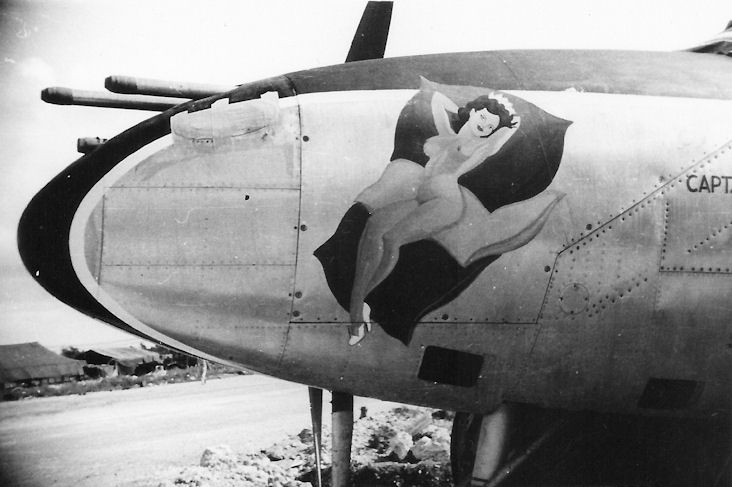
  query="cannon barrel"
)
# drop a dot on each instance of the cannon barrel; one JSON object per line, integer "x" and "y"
{"x": 67, "y": 96}
{"x": 156, "y": 87}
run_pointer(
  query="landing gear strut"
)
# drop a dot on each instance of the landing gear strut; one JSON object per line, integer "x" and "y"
{"x": 342, "y": 435}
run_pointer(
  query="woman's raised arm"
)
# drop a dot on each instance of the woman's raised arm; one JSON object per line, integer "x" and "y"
{"x": 440, "y": 106}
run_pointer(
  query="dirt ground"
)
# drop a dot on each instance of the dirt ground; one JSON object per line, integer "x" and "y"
{"x": 123, "y": 437}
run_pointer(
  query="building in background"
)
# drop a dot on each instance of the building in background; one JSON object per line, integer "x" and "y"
{"x": 31, "y": 363}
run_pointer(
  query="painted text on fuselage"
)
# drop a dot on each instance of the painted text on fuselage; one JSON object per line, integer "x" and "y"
{"x": 708, "y": 184}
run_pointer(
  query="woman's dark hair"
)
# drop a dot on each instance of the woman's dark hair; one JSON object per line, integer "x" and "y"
{"x": 505, "y": 118}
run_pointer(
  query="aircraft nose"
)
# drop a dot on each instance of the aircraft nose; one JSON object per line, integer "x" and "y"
{"x": 193, "y": 239}
{"x": 43, "y": 234}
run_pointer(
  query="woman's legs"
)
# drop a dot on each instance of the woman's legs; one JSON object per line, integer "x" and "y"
{"x": 370, "y": 251}
{"x": 426, "y": 220}
{"x": 386, "y": 231}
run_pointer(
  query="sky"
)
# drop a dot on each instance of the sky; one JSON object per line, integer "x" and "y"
{"x": 77, "y": 43}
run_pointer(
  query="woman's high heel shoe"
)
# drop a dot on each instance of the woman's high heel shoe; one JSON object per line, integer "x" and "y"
{"x": 359, "y": 335}
{"x": 361, "y": 330}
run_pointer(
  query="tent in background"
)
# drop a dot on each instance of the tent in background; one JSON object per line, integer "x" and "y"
{"x": 126, "y": 360}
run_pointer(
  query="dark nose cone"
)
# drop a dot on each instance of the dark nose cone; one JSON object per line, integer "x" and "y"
{"x": 43, "y": 230}
{"x": 43, "y": 238}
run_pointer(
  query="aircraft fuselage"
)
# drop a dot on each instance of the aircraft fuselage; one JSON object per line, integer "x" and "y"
{"x": 589, "y": 265}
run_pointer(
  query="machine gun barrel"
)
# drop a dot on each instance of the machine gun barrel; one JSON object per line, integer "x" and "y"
{"x": 67, "y": 96}
{"x": 147, "y": 86}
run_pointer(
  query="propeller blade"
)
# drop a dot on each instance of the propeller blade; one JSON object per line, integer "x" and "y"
{"x": 316, "y": 416}
{"x": 342, "y": 435}
{"x": 369, "y": 41}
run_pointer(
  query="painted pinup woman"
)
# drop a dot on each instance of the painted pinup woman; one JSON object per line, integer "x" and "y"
{"x": 410, "y": 202}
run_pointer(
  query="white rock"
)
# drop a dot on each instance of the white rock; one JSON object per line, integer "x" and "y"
{"x": 218, "y": 455}
{"x": 400, "y": 444}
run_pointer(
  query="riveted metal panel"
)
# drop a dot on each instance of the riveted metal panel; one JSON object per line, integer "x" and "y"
{"x": 698, "y": 220}
{"x": 610, "y": 315}
{"x": 493, "y": 298}
{"x": 243, "y": 307}
{"x": 611, "y": 265}
{"x": 595, "y": 319}
{"x": 202, "y": 296}
{"x": 199, "y": 226}
{"x": 504, "y": 348}
{"x": 613, "y": 232}
{"x": 613, "y": 160}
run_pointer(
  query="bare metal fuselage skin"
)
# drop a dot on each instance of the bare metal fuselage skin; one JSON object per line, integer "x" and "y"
{"x": 204, "y": 237}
